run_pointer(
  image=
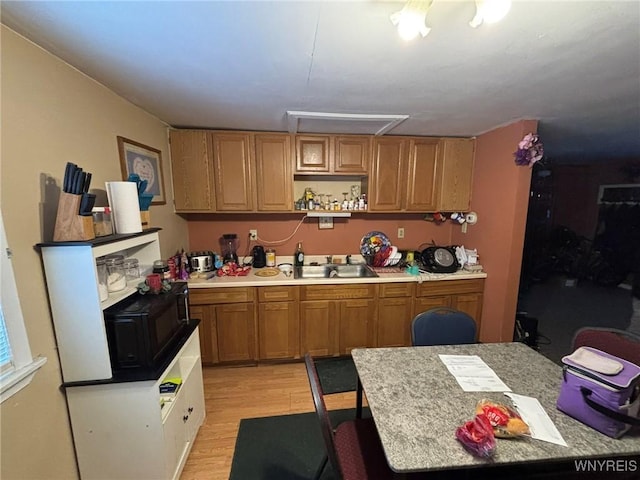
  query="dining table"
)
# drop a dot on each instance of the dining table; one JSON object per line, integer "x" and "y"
{"x": 417, "y": 404}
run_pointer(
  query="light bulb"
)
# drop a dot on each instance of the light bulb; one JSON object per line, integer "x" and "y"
{"x": 411, "y": 19}
{"x": 490, "y": 11}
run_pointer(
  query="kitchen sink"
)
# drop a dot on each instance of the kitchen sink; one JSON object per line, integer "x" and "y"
{"x": 331, "y": 270}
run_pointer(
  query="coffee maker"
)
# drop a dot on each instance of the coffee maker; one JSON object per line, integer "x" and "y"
{"x": 229, "y": 246}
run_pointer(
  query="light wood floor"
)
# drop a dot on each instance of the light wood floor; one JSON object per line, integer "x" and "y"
{"x": 234, "y": 393}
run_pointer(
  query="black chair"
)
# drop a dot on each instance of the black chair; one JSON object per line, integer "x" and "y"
{"x": 353, "y": 447}
{"x": 616, "y": 342}
{"x": 442, "y": 326}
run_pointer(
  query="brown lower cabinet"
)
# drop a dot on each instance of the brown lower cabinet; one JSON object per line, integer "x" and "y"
{"x": 465, "y": 295}
{"x": 278, "y": 323}
{"x": 250, "y": 324}
{"x": 395, "y": 311}
{"x": 335, "y": 319}
{"x": 228, "y": 333}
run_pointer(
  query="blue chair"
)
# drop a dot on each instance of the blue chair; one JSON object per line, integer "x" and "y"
{"x": 442, "y": 326}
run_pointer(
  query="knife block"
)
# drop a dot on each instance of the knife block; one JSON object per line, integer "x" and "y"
{"x": 69, "y": 225}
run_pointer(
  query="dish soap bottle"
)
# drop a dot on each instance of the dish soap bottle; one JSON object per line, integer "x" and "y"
{"x": 298, "y": 257}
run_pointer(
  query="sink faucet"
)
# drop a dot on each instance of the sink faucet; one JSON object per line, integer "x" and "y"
{"x": 329, "y": 258}
{"x": 348, "y": 260}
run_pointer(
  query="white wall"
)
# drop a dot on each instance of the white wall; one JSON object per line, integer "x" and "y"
{"x": 51, "y": 114}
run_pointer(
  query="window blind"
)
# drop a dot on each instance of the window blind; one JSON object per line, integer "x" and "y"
{"x": 6, "y": 358}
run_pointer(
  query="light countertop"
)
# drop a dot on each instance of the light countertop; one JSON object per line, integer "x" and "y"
{"x": 252, "y": 280}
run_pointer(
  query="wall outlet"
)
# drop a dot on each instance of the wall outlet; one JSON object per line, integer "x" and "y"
{"x": 325, "y": 222}
{"x": 253, "y": 234}
{"x": 400, "y": 232}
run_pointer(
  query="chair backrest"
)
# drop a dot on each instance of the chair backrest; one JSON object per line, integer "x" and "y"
{"x": 620, "y": 343}
{"x": 323, "y": 414}
{"x": 442, "y": 326}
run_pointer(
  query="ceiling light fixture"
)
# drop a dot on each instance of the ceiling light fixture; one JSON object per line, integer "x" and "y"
{"x": 490, "y": 11}
{"x": 411, "y": 19}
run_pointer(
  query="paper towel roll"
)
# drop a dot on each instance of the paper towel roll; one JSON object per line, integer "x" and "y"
{"x": 125, "y": 209}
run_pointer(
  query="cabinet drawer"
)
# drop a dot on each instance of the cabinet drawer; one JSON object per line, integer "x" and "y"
{"x": 221, "y": 295}
{"x": 387, "y": 290}
{"x": 337, "y": 292}
{"x": 449, "y": 287}
{"x": 278, "y": 294}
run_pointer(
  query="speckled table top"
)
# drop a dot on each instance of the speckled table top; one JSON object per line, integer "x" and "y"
{"x": 417, "y": 405}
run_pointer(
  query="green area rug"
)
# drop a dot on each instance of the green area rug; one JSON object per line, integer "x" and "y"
{"x": 337, "y": 374}
{"x": 285, "y": 447}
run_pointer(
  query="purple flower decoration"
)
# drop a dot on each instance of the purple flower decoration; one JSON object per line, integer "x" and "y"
{"x": 530, "y": 150}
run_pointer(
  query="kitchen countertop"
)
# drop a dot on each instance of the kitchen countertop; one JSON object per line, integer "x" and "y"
{"x": 252, "y": 280}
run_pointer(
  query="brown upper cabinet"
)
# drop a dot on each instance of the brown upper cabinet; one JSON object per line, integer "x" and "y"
{"x": 421, "y": 174}
{"x": 218, "y": 171}
{"x": 222, "y": 171}
{"x": 273, "y": 162}
{"x": 192, "y": 171}
{"x": 233, "y": 171}
{"x": 456, "y": 161}
{"x": 332, "y": 154}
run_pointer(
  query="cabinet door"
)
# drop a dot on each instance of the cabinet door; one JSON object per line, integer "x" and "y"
{"x": 422, "y": 304}
{"x": 457, "y": 174}
{"x": 351, "y": 154}
{"x": 423, "y": 175}
{"x": 318, "y": 329}
{"x": 313, "y": 154}
{"x": 273, "y": 172}
{"x": 386, "y": 181}
{"x": 233, "y": 171}
{"x": 394, "y": 322}
{"x": 192, "y": 171}
{"x": 236, "y": 332}
{"x": 356, "y": 325}
{"x": 470, "y": 303}
{"x": 278, "y": 330}
{"x": 208, "y": 333}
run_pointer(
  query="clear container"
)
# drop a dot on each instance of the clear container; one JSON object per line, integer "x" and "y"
{"x": 117, "y": 278}
{"x": 162, "y": 267}
{"x": 102, "y": 221}
{"x": 131, "y": 269}
{"x": 103, "y": 290}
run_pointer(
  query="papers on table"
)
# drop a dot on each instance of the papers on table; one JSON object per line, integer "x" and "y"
{"x": 472, "y": 374}
{"x": 541, "y": 426}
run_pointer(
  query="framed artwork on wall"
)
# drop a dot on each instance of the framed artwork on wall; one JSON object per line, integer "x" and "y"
{"x": 147, "y": 163}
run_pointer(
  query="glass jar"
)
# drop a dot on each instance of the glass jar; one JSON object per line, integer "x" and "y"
{"x": 161, "y": 267}
{"x": 116, "y": 277}
{"x": 131, "y": 269}
{"x": 101, "y": 266}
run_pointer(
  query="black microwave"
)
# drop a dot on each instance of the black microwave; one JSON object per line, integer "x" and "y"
{"x": 141, "y": 329}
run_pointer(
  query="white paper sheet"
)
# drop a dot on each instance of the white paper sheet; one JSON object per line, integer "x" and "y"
{"x": 472, "y": 374}
{"x": 534, "y": 414}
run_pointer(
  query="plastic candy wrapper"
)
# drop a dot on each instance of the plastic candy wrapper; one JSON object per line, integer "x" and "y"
{"x": 232, "y": 269}
{"x": 477, "y": 436}
{"x": 505, "y": 420}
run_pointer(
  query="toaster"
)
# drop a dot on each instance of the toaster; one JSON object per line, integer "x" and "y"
{"x": 201, "y": 261}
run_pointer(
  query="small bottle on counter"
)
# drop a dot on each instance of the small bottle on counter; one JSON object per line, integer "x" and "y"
{"x": 298, "y": 257}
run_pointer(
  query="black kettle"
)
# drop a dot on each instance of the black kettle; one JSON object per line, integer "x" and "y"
{"x": 259, "y": 257}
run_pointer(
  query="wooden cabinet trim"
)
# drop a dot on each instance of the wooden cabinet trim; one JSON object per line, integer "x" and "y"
{"x": 212, "y": 296}
{"x": 396, "y": 289}
{"x": 278, "y": 294}
{"x": 450, "y": 287}
{"x": 337, "y": 292}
